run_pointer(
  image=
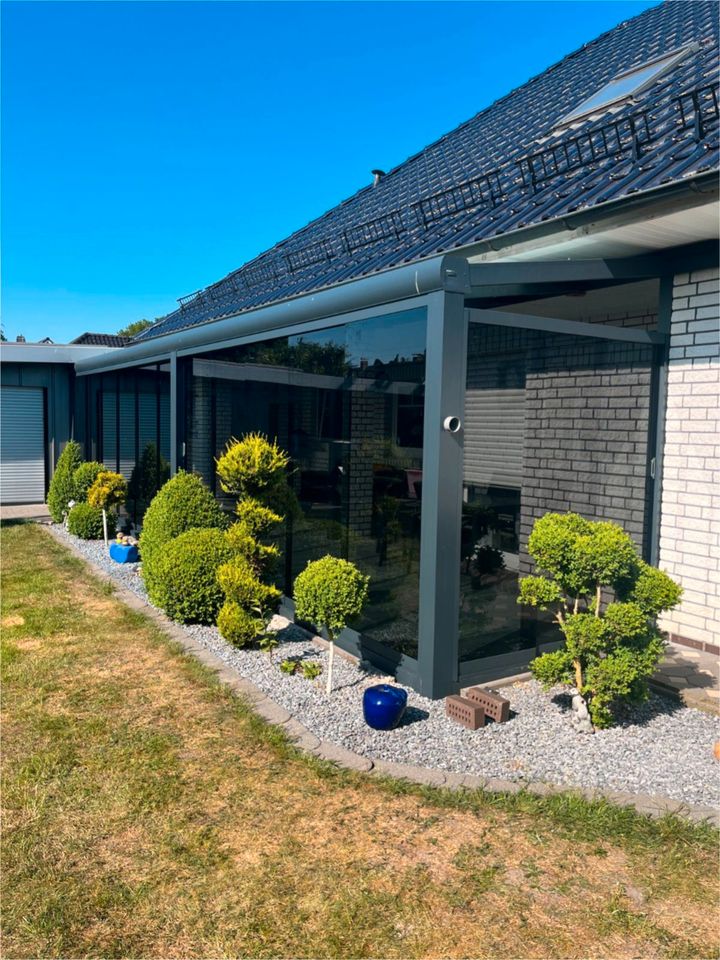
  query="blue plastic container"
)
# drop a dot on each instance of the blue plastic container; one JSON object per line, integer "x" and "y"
{"x": 384, "y": 706}
{"x": 123, "y": 553}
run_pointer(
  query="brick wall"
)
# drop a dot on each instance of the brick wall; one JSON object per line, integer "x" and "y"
{"x": 690, "y": 518}
{"x": 586, "y": 432}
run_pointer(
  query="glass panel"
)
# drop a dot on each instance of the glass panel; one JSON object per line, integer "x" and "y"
{"x": 552, "y": 423}
{"x": 347, "y": 404}
{"x": 134, "y": 429}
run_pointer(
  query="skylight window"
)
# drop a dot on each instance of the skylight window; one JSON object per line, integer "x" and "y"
{"x": 627, "y": 84}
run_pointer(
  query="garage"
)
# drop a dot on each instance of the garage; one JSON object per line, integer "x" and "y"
{"x": 22, "y": 445}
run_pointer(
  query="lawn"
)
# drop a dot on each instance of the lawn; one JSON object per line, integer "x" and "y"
{"x": 149, "y": 813}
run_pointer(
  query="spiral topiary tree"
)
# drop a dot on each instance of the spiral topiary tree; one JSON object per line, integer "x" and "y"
{"x": 253, "y": 469}
{"x": 611, "y": 647}
{"x": 61, "y": 490}
{"x": 328, "y": 593}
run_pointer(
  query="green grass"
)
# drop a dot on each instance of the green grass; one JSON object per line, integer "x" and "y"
{"x": 149, "y": 813}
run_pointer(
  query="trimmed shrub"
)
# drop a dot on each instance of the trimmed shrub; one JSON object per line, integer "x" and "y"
{"x": 86, "y": 521}
{"x": 184, "y": 582}
{"x": 184, "y": 503}
{"x": 108, "y": 490}
{"x": 328, "y": 593}
{"x": 609, "y": 653}
{"x": 83, "y": 478}
{"x": 61, "y": 490}
{"x": 238, "y": 626}
{"x": 255, "y": 468}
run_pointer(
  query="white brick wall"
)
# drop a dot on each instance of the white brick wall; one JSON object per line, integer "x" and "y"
{"x": 690, "y": 519}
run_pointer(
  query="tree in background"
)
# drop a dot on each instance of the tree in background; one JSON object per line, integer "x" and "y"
{"x": 134, "y": 328}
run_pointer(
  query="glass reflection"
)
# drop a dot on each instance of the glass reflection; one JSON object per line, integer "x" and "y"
{"x": 347, "y": 405}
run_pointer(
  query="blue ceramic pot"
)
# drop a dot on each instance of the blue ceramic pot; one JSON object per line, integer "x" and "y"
{"x": 383, "y": 706}
{"x": 123, "y": 553}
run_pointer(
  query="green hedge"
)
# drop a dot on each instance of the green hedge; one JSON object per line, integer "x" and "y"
{"x": 86, "y": 521}
{"x": 184, "y": 582}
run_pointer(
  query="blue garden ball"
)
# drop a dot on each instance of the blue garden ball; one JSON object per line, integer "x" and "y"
{"x": 384, "y": 706}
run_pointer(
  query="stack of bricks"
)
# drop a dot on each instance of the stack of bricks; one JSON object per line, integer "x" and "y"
{"x": 690, "y": 524}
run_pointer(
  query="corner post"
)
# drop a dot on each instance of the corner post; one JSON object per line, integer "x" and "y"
{"x": 442, "y": 495}
{"x": 177, "y": 413}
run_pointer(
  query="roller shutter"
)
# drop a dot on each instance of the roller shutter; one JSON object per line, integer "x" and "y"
{"x": 22, "y": 445}
{"x": 494, "y": 430}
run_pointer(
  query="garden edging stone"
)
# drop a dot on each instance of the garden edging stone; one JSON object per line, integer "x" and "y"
{"x": 305, "y": 740}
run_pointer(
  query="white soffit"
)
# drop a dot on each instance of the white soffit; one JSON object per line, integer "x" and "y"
{"x": 655, "y": 233}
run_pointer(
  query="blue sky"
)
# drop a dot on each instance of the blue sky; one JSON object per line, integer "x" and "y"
{"x": 150, "y": 148}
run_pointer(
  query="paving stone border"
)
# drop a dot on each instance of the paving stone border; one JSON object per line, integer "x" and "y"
{"x": 305, "y": 740}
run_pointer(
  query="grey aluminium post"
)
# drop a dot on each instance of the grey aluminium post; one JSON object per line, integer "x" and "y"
{"x": 174, "y": 419}
{"x": 442, "y": 494}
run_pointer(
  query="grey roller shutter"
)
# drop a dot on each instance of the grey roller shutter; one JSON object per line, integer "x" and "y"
{"x": 22, "y": 445}
{"x": 494, "y": 430}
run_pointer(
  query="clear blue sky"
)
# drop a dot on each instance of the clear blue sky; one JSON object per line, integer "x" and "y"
{"x": 150, "y": 148}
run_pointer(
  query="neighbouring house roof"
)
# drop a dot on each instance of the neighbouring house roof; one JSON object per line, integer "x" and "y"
{"x": 511, "y": 166}
{"x": 102, "y": 340}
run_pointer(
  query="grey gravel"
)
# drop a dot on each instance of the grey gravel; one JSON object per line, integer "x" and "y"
{"x": 661, "y": 747}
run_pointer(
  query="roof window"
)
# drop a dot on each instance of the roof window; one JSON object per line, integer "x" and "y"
{"x": 627, "y": 84}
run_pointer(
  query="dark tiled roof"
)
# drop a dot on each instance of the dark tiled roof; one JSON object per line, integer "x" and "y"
{"x": 102, "y": 340}
{"x": 505, "y": 169}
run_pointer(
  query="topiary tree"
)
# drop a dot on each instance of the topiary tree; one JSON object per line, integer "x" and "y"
{"x": 61, "y": 491}
{"x": 185, "y": 582}
{"x": 328, "y": 593}
{"x": 611, "y": 648}
{"x": 83, "y": 478}
{"x": 108, "y": 490}
{"x": 148, "y": 475}
{"x": 255, "y": 470}
{"x": 183, "y": 503}
{"x": 86, "y": 522}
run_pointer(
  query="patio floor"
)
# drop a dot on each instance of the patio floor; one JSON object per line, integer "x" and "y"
{"x": 693, "y": 676}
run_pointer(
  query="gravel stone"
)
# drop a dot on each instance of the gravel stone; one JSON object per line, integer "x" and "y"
{"x": 661, "y": 748}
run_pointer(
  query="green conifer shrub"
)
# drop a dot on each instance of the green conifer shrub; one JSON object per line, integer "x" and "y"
{"x": 61, "y": 490}
{"x": 255, "y": 470}
{"x": 83, "y": 478}
{"x": 185, "y": 582}
{"x": 610, "y": 651}
{"x": 147, "y": 477}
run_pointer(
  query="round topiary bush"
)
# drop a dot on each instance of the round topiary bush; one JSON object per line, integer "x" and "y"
{"x": 86, "y": 522}
{"x": 183, "y": 503}
{"x": 61, "y": 490}
{"x": 184, "y": 582}
{"x": 83, "y": 478}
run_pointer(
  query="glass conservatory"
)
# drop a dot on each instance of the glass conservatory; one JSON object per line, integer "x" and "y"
{"x": 431, "y": 414}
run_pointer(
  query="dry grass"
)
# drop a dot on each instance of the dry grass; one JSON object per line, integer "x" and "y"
{"x": 147, "y": 813}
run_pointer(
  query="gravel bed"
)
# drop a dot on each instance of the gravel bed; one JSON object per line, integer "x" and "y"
{"x": 660, "y": 748}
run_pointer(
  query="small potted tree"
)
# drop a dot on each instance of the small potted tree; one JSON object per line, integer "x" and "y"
{"x": 328, "y": 593}
{"x": 108, "y": 490}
